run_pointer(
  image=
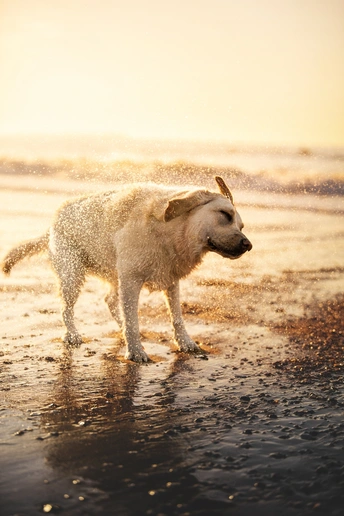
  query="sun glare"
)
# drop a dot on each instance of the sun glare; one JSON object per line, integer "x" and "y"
{"x": 254, "y": 72}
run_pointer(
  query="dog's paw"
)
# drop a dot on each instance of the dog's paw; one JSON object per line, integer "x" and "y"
{"x": 189, "y": 346}
{"x": 137, "y": 355}
{"x": 73, "y": 340}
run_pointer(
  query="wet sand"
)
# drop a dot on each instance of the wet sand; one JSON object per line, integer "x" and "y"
{"x": 254, "y": 426}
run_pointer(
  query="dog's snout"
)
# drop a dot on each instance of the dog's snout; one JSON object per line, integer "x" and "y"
{"x": 246, "y": 244}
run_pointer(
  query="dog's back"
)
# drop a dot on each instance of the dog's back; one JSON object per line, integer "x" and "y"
{"x": 91, "y": 223}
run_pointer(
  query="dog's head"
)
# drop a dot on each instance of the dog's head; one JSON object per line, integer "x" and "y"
{"x": 213, "y": 218}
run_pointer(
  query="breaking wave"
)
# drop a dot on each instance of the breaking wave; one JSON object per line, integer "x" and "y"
{"x": 178, "y": 172}
{"x": 123, "y": 159}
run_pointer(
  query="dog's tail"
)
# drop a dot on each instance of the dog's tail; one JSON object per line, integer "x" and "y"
{"x": 25, "y": 249}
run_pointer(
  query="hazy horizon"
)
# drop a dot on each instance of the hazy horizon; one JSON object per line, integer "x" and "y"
{"x": 117, "y": 135}
{"x": 44, "y": 138}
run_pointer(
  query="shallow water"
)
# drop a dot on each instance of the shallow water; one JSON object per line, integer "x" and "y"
{"x": 95, "y": 434}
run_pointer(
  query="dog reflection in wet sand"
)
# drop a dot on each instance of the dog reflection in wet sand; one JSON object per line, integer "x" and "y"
{"x": 140, "y": 235}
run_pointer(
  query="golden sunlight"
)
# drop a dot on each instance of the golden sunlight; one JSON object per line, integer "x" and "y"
{"x": 252, "y": 71}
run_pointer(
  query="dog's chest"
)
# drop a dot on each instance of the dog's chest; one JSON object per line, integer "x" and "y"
{"x": 162, "y": 274}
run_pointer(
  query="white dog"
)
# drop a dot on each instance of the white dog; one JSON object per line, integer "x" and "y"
{"x": 137, "y": 235}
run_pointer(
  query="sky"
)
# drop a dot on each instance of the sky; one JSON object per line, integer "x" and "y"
{"x": 248, "y": 71}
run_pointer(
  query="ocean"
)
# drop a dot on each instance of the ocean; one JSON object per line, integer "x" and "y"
{"x": 119, "y": 158}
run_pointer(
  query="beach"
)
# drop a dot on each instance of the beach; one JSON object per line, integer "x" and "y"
{"x": 252, "y": 426}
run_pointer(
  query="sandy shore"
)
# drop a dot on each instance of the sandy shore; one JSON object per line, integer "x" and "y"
{"x": 254, "y": 427}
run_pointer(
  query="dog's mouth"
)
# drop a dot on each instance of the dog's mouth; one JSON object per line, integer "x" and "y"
{"x": 233, "y": 254}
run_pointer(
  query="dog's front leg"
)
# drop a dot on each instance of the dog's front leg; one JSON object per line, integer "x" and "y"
{"x": 183, "y": 341}
{"x": 129, "y": 292}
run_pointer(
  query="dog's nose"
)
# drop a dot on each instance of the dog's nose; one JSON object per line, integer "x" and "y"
{"x": 246, "y": 244}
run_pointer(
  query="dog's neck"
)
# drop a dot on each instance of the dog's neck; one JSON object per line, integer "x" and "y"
{"x": 186, "y": 257}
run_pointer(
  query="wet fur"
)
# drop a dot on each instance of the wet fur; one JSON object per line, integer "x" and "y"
{"x": 138, "y": 235}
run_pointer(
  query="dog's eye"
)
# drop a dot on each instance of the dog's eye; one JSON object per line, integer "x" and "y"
{"x": 227, "y": 216}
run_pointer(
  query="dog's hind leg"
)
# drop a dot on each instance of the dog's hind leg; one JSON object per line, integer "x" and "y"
{"x": 182, "y": 339}
{"x": 112, "y": 300}
{"x": 70, "y": 273}
{"x": 69, "y": 291}
{"x": 129, "y": 293}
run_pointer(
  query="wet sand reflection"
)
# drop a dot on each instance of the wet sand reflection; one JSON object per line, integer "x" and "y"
{"x": 123, "y": 441}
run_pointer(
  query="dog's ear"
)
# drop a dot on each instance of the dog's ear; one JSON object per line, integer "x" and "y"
{"x": 185, "y": 203}
{"x": 224, "y": 188}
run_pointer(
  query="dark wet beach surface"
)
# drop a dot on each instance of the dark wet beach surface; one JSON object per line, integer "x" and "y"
{"x": 244, "y": 429}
